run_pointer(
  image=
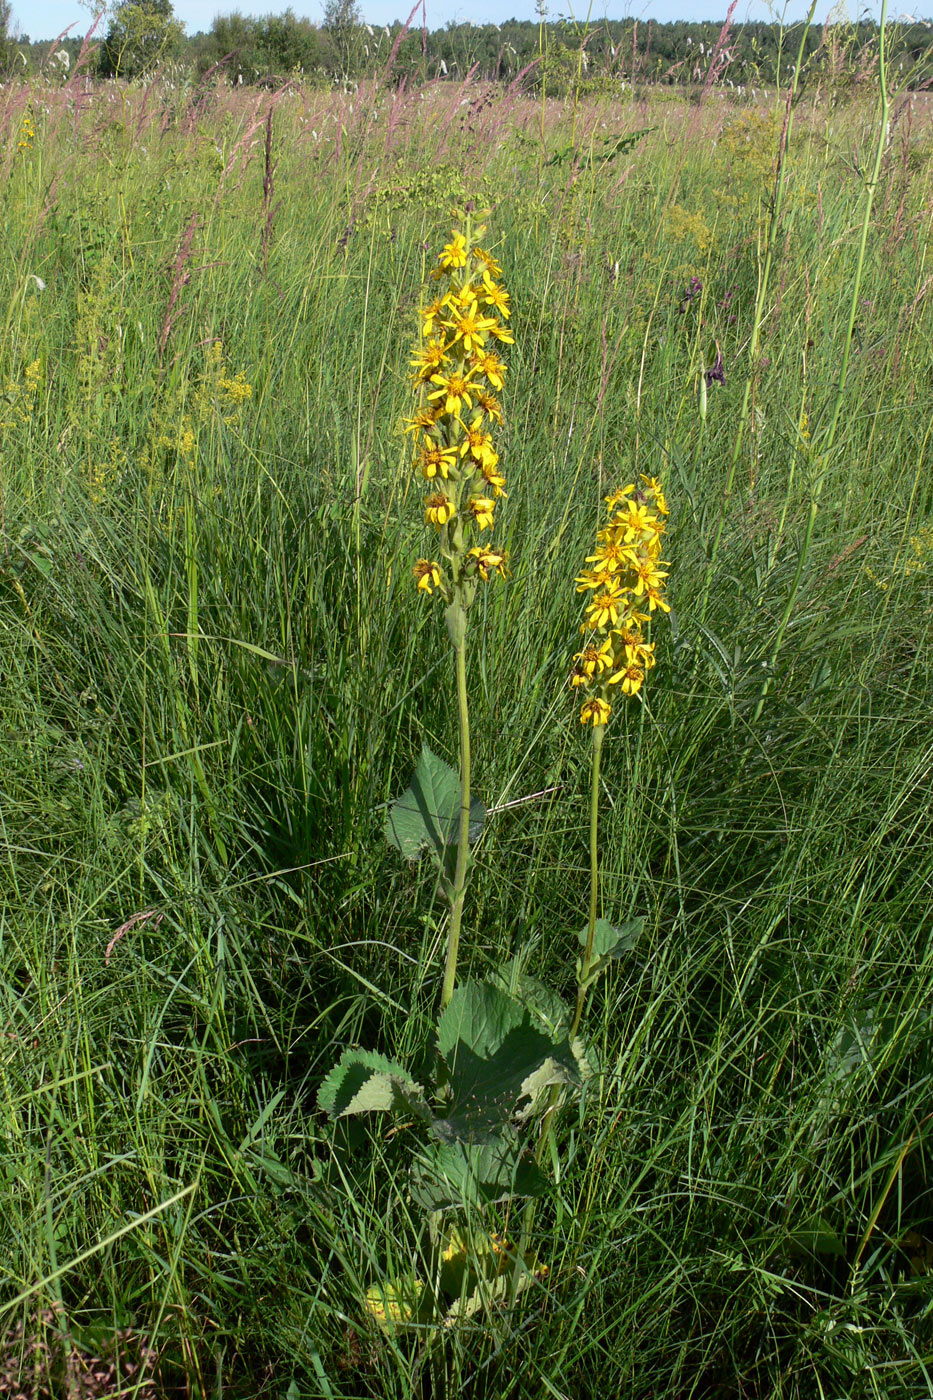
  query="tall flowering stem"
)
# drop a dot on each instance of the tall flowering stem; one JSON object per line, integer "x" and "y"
{"x": 626, "y": 586}
{"x": 458, "y": 373}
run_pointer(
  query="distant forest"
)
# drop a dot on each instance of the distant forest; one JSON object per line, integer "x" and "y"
{"x": 560, "y": 57}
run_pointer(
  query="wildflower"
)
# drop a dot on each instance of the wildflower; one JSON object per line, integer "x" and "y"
{"x": 488, "y": 561}
{"x": 595, "y": 711}
{"x": 627, "y": 576}
{"x": 481, "y": 508}
{"x": 429, "y": 359}
{"x": 454, "y": 390}
{"x": 496, "y": 296}
{"x": 434, "y": 459}
{"x": 470, "y": 327}
{"x": 491, "y": 366}
{"x": 438, "y": 510}
{"x": 458, "y": 377}
{"x": 454, "y": 254}
{"x": 479, "y": 445}
{"x": 428, "y": 575}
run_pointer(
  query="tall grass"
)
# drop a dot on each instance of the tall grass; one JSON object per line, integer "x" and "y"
{"x": 215, "y": 674}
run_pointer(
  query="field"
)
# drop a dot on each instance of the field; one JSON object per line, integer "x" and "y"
{"x": 217, "y": 672}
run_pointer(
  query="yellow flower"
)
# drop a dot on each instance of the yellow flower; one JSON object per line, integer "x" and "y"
{"x": 603, "y": 611}
{"x": 428, "y": 575}
{"x": 479, "y": 444}
{"x": 428, "y": 360}
{"x": 654, "y": 487}
{"x": 631, "y": 678}
{"x": 619, "y": 497}
{"x": 470, "y": 327}
{"x": 453, "y": 391}
{"x": 438, "y": 510}
{"x": 454, "y": 254}
{"x": 432, "y": 313}
{"x": 638, "y": 523}
{"x": 490, "y": 365}
{"x": 424, "y": 418}
{"x": 648, "y": 578}
{"x": 482, "y": 508}
{"x": 490, "y": 405}
{"x": 496, "y": 296}
{"x": 434, "y": 459}
{"x": 492, "y": 267}
{"x": 595, "y": 711}
{"x": 495, "y": 479}
{"x": 502, "y": 333}
{"x": 488, "y": 560}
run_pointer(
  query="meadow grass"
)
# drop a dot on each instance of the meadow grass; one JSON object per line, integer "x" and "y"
{"x": 216, "y": 673}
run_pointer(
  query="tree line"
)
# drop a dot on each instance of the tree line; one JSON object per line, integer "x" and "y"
{"x": 141, "y": 36}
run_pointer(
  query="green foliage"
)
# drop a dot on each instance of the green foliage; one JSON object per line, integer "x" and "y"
{"x": 141, "y": 35}
{"x": 495, "y": 1069}
{"x": 427, "y": 816}
{"x": 221, "y": 651}
{"x": 609, "y": 943}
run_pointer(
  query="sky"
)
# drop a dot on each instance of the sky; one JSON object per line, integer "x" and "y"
{"x": 45, "y": 19}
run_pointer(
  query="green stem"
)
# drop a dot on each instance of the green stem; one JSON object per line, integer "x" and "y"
{"x": 598, "y": 736}
{"x": 463, "y": 843}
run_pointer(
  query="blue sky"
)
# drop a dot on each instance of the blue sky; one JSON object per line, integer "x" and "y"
{"x": 44, "y": 19}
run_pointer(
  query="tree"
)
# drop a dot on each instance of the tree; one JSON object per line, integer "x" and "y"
{"x": 141, "y": 34}
{"x": 6, "y": 36}
{"x": 342, "y": 22}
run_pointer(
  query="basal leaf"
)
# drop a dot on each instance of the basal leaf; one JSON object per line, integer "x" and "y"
{"x": 460, "y": 1173}
{"x": 496, "y": 1056}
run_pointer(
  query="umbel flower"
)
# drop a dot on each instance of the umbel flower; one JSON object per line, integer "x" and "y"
{"x": 457, "y": 373}
{"x": 625, "y": 584}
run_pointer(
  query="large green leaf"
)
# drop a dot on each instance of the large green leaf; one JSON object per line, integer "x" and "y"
{"x": 472, "y": 1173}
{"x": 427, "y": 815}
{"x": 496, "y": 1057}
{"x": 548, "y": 1010}
{"x": 609, "y": 943}
{"x": 364, "y": 1082}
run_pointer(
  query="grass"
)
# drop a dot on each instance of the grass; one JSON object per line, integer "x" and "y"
{"x": 216, "y": 672}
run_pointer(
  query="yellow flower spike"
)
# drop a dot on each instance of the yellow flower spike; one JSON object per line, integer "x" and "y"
{"x": 482, "y": 510}
{"x": 595, "y": 711}
{"x": 438, "y": 510}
